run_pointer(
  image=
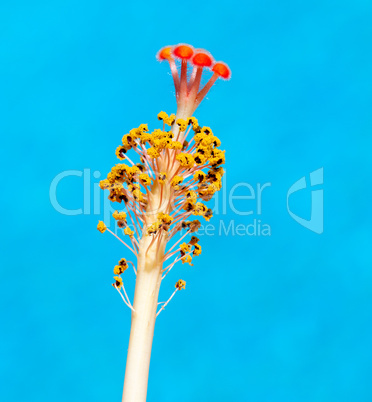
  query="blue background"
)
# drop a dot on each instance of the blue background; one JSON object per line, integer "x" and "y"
{"x": 279, "y": 318}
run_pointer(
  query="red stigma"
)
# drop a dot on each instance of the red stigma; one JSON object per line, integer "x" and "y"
{"x": 183, "y": 51}
{"x": 164, "y": 53}
{"x": 222, "y": 69}
{"x": 202, "y": 59}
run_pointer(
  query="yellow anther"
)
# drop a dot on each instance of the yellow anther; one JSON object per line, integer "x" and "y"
{"x": 180, "y": 284}
{"x": 120, "y": 151}
{"x": 176, "y": 181}
{"x": 119, "y": 269}
{"x": 186, "y": 160}
{"x": 185, "y": 248}
{"x": 197, "y": 250}
{"x": 128, "y": 231}
{"x": 187, "y": 260}
{"x": 119, "y": 216}
{"x": 170, "y": 120}
{"x": 153, "y": 153}
{"x": 162, "y": 116}
{"x": 101, "y": 227}
{"x": 145, "y": 179}
{"x": 199, "y": 176}
{"x": 118, "y": 282}
{"x": 182, "y": 124}
{"x": 193, "y": 240}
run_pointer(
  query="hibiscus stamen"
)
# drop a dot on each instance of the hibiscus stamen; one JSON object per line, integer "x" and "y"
{"x": 175, "y": 170}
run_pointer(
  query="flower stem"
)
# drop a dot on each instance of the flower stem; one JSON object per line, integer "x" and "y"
{"x": 149, "y": 271}
{"x": 141, "y": 336}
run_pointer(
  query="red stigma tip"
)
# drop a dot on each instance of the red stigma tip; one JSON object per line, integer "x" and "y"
{"x": 164, "y": 53}
{"x": 202, "y": 59}
{"x": 183, "y": 51}
{"x": 222, "y": 69}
